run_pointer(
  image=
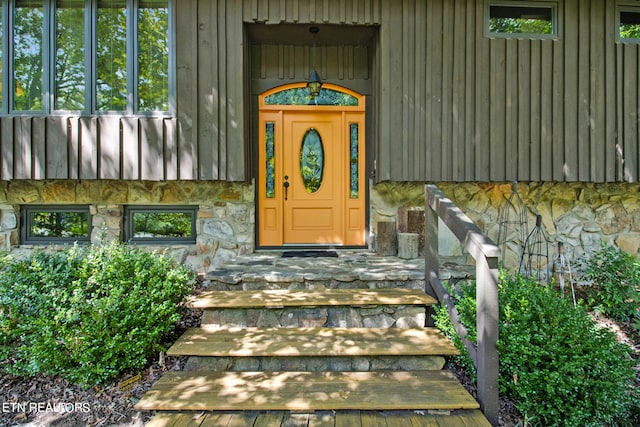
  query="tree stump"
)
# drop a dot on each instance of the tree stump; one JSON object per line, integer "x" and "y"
{"x": 387, "y": 238}
{"x": 408, "y": 245}
{"x": 411, "y": 220}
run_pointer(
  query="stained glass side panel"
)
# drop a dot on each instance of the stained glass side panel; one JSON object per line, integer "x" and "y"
{"x": 300, "y": 96}
{"x": 354, "y": 191}
{"x": 270, "y": 159}
{"x": 312, "y": 161}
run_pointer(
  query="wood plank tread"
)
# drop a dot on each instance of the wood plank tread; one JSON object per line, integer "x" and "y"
{"x": 463, "y": 418}
{"x": 279, "y": 342}
{"x": 275, "y": 298}
{"x": 307, "y": 391}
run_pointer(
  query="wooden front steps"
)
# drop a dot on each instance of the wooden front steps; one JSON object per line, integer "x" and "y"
{"x": 277, "y": 298}
{"x": 307, "y": 391}
{"x": 468, "y": 418}
{"x": 309, "y": 342}
{"x": 226, "y": 391}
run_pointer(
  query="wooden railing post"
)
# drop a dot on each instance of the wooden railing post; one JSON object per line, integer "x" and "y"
{"x": 486, "y": 254}
{"x": 431, "y": 255}
{"x": 487, "y": 327}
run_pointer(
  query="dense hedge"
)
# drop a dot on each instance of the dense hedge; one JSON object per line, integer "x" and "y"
{"x": 559, "y": 367}
{"x": 87, "y": 314}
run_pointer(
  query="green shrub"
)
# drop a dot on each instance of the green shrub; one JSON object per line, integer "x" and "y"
{"x": 87, "y": 314}
{"x": 616, "y": 290}
{"x": 465, "y": 299}
{"x": 555, "y": 363}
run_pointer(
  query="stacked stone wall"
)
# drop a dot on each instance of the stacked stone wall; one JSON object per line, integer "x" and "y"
{"x": 225, "y": 225}
{"x": 581, "y": 215}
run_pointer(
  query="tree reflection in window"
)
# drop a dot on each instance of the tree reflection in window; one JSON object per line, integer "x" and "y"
{"x": 111, "y": 56}
{"x": 27, "y": 55}
{"x": 155, "y": 224}
{"x": 629, "y": 28}
{"x": 55, "y": 223}
{"x": 70, "y": 55}
{"x": 79, "y": 55}
{"x": 153, "y": 55}
{"x": 162, "y": 224}
{"x": 521, "y": 19}
{"x": 59, "y": 224}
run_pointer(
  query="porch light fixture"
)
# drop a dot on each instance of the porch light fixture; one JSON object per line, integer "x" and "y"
{"x": 314, "y": 83}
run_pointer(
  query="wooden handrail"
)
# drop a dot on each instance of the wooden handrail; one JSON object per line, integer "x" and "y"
{"x": 486, "y": 254}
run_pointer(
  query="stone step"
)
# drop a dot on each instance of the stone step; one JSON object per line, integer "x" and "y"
{"x": 343, "y": 308}
{"x": 340, "y": 317}
{"x": 309, "y": 342}
{"x": 313, "y": 349}
{"x": 307, "y": 391}
{"x": 314, "y": 363}
{"x": 348, "y": 270}
{"x": 279, "y": 298}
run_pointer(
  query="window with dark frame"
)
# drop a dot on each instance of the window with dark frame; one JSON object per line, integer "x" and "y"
{"x": 160, "y": 224}
{"x": 514, "y": 19}
{"x": 87, "y": 56}
{"x": 628, "y": 25}
{"x": 55, "y": 224}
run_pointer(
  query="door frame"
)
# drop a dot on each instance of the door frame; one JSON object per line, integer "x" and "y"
{"x": 269, "y": 113}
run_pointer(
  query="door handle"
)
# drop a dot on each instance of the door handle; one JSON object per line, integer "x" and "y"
{"x": 286, "y": 186}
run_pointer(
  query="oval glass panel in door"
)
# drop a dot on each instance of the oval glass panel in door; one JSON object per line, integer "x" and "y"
{"x": 312, "y": 160}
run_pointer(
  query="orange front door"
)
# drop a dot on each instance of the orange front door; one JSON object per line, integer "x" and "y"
{"x": 311, "y": 181}
{"x": 313, "y": 155}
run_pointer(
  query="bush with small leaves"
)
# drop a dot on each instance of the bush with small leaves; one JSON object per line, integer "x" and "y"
{"x": 558, "y": 366}
{"x": 88, "y": 314}
{"x": 616, "y": 289}
{"x": 464, "y": 294}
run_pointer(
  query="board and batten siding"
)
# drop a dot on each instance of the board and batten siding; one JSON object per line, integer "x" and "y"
{"x": 473, "y": 108}
{"x": 448, "y": 103}
{"x": 102, "y": 147}
{"x": 204, "y": 141}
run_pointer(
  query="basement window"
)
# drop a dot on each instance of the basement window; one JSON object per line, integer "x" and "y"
{"x": 517, "y": 20}
{"x": 628, "y": 24}
{"x": 160, "y": 224}
{"x": 55, "y": 224}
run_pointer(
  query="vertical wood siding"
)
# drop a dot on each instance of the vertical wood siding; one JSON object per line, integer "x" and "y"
{"x": 360, "y": 12}
{"x": 208, "y": 138}
{"x": 448, "y": 103}
{"x": 276, "y": 64}
{"x": 64, "y": 147}
{"x": 504, "y": 109}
